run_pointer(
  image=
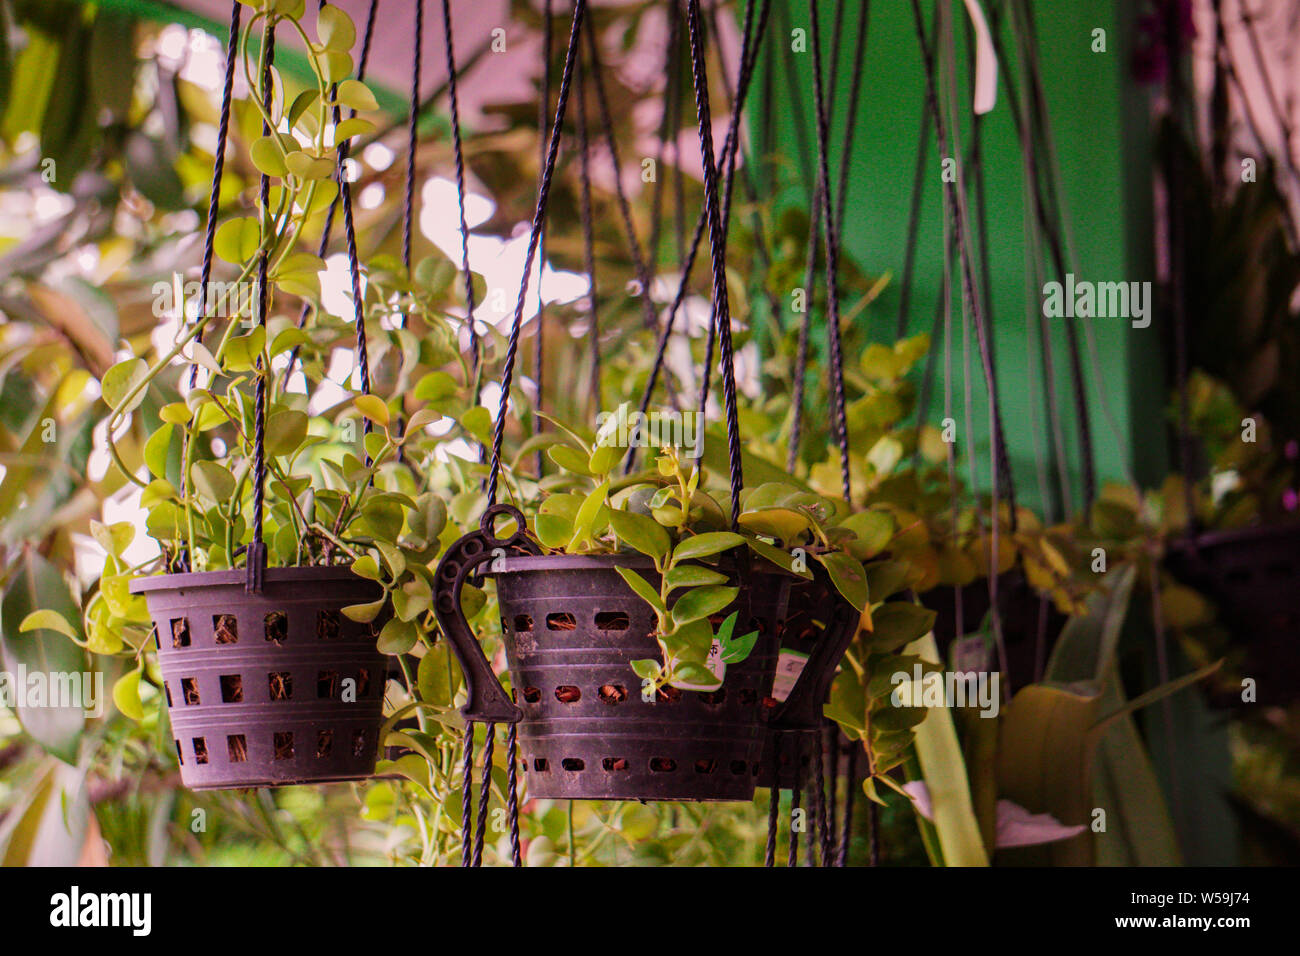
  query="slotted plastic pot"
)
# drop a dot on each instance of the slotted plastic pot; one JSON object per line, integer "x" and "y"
{"x": 572, "y": 628}
{"x": 1253, "y": 574}
{"x": 271, "y": 688}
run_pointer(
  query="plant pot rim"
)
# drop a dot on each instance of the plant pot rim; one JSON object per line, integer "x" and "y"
{"x": 216, "y": 579}
{"x": 522, "y": 564}
{"x": 1213, "y": 539}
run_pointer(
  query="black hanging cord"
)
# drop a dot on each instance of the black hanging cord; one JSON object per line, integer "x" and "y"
{"x": 214, "y": 202}
{"x": 484, "y": 794}
{"x": 466, "y": 794}
{"x": 412, "y": 144}
{"x": 255, "y": 557}
{"x": 458, "y": 151}
{"x": 718, "y": 248}
{"x": 344, "y": 148}
{"x": 588, "y": 239}
{"x": 639, "y": 264}
{"x": 543, "y": 194}
{"x": 774, "y": 800}
{"x": 832, "y": 257}
{"x": 749, "y": 59}
{"x": 218, "y": 170}
{"x": 542, "y": 142}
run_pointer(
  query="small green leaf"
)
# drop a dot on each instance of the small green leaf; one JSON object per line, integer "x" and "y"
{"x": 691, "y": 576}
{"x": 397, "y": 637}
{"x": 644, "y": 534}
{"x": 897, "y": 624}
{"x": 642, "y": 589}
{"x": 122, "y": 379}
{"x": 285, "y": 431}
{"x": 335, "y": 30}
{"x": 848, "y": 577}
{"x": 126, "y": 695}
{"x": 237, "y": 240}
{"x": 571, "y": 460}
{"x": 690, "y": 675}
{"x": 212, "y": 481}
{"x": 265, "y": 153}
{"x": 373, "y": 407}
{"x": 49, "y": 621}
{"x": 705, "y": 545}
{"x": 357, "y": 96}
{"x": 700, "y": 603}
{"x": 364, "y": 613}
{"x": 646, "y": 669}
{"x": 584, "y": 523}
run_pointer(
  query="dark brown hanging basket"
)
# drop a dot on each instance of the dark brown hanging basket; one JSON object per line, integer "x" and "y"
{"x": 572, "y": 628}
{"x": 272, "y": 688}
{"x": 1253, "y": 575}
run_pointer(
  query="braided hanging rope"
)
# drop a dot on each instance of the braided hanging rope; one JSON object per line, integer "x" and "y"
{"x": 484, "y": 794}
{"x": 829, "y": 225}
{"x": 543, "y": 194}
{"x": 512, "y": 791}
{"x": 459, "y": 154}
{"x": 218, "y": 171}
{"x": 718, "y": 249}
{"x": 255, "y": 557}
{"x": 774, "y": 800}
{"x": 408, "y": 193}
{"x": 729, "y": 161}
{"x": 639, "y": 265}
{"x": 543, "y": 137}
{"x": 819, "y": 796}
{"x": 729, "y": 148}
{"x": 466, "y": 793}
{"x": 588, "y": 238}
{"x": 327, "y": 228}
{"x": 214, "y": 203}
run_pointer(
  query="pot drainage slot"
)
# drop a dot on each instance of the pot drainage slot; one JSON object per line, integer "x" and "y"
{"x": 280, "y": 685}
{"x": 190, "y": 691}
{"x": 226, "y": 628}
{"x": 232, "y": 689}
{"x": 200, "y": 750}
{"x": 662, "y": 765}
{"x": 359, "y": 743}
{"x": 180, "y": 632}
{"x": 327, "y": 685}
{"x": 532, "y": 695}
{"x": 523, "y": 623}
{"x": 541, "y": 765}
{"x": 275, "y": 626}
{"x": 283, "y": 742}
{"x": 328, "y": 625}
{"x": 612, "y": 621}
{"x": 573, "y": 764}
{"x": 236, "y": 748}
{"x": 561, "y": 621}
{"x": 614, "y": 764}
{"x": 324, "y": 742}
{"x": 568, "y": 694}
{"x": 707, "y": 765}
{"x": 613, "y": 693}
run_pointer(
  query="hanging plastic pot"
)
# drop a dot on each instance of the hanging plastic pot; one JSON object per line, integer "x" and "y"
{"x": 270, "y": 688}
{"x": 818, "y": 627}
{"x": 1253, "y": 574}
{"x": 1024, "y": 615}
{"x": 587, "y": 730}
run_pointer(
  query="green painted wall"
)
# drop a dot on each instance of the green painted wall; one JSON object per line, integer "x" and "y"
{"x": 1102, "y": 151}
